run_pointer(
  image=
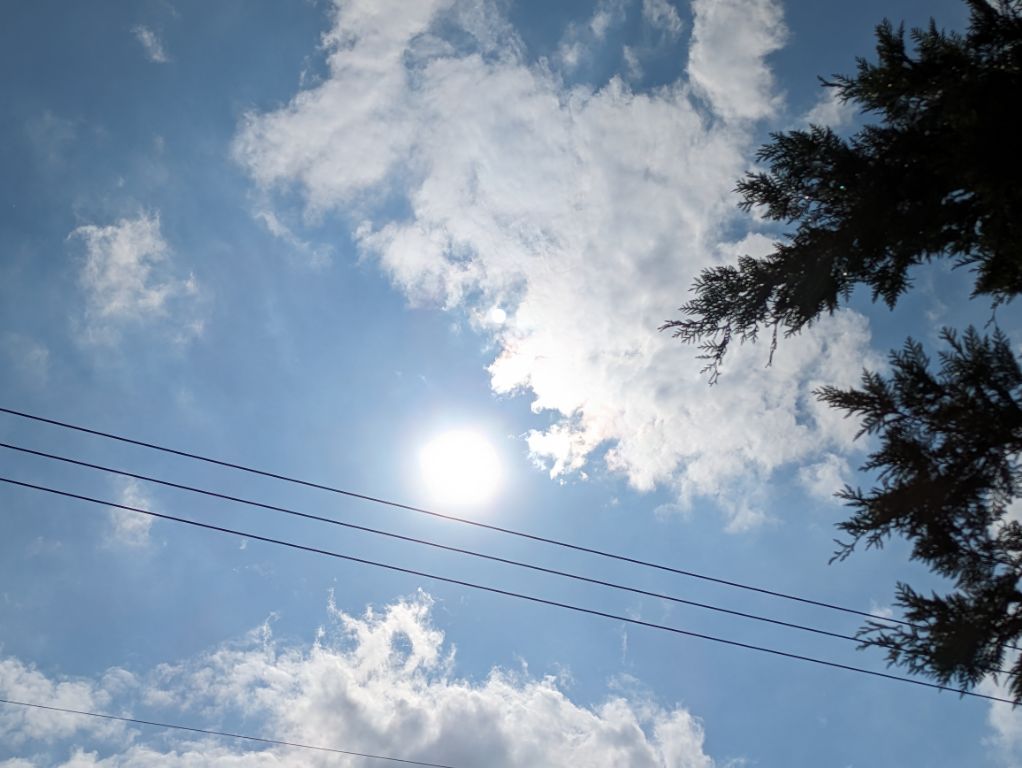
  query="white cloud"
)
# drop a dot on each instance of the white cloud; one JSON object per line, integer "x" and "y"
{"x": 21, "y": 682}
{"x": 151, "y": 43}
{"x": 130, "y": 529}
{"x": 883, "y": 611}
{"x": 384, "y": 683}
{"x": 633, "y": 67}
{"x": 580, "y": 41}
{"x": 829, "y": 110}
{"x": 312, "y": 255}
{"x": 662, "y": 15}
{"x": 128, "y": 279}
{"x": 1005, "y": 721}
{"x": 726, "y": 64}
{"x": 585, "y": 214}
{"x": 608, "y": 13}
{"x": 825, "y": 478}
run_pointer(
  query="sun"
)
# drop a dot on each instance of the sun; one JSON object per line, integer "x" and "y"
{"x": 460, "y": 468}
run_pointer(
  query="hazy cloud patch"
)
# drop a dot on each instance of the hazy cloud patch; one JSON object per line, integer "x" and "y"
{"x": 129, "y": 280}
{"x": 30, "y": 358}
{"x": 127, "y": 528}
{"x": 661, "y": 15}
{"x": 151, "y": 44}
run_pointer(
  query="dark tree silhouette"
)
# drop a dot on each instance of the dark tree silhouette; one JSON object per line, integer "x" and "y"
{"x": 937, "y": 176}
{"x": 948, "y": 468}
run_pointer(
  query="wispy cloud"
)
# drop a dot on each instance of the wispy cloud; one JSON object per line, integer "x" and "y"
{"x": 51, "y": 136}
{"x": 30, "y": 358}
{"x": 581, "y": 41}
{"x": 128, "y": 279}
{"x": 661, "y": 15}
{"x": 151, "y": 44}
{"x": 311, "y": 254}
{"x": 824, "y": 478}
{"x": 829, "y": 110}
{"x": 1005, "y": 721}
{"x": 382, "y": 683}
{"x": 584, "y": 214}
{"x": 130, "y": 529}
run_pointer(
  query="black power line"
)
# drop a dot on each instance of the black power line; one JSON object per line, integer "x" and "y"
{"x": 260, "y": 739}
{"x": 452, "y": 518}
{"x": 507, "y": 593}
{"x": 428, "y": 543}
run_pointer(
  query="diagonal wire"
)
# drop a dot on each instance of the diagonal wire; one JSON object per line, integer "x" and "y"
{"x": 429, "y": 543}
{"x": 452, "y": 518}
{"x": 191, "y": 729}
{"x": 508, "y": 593}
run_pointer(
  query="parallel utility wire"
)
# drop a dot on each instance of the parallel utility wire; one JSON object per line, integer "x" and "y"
{"x": 452, "y": 518}
{"x": 428, "y": 543}
{"x": 228, "y": 734}
{"x": 506, "y": 593}
{"x": 445, "y": 547}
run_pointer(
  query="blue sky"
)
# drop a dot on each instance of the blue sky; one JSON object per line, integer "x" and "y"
{"x": 312, "y": 237}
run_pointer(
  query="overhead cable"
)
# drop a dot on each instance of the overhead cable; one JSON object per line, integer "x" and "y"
{"x": 452, "y": 518}
{"x": 228, "y": 734}
{"x": 507, "y": 593}
{"x": 429, "y": 543}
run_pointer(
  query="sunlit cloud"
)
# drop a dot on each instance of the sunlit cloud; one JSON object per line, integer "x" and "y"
{"x": 584, "y": 213}
{"x": 383, "y": 683}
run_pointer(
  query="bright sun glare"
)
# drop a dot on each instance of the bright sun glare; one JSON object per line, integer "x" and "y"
{"x": 460, "y": 468}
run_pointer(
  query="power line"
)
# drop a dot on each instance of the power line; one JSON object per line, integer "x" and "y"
{"x": 260, "y": 739}
{"x": 506, "y": 593}
{"x": 453, "y": 518}
{"x": 429, "y": 543}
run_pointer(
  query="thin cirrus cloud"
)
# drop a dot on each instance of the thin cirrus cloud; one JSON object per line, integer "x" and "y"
{"x": 151, "y": 44}
{"x": 128, "y": 279}
{"x": 583, "y": 213}
{"x": 28, "y": 357}
{"x": 381, "y": 683}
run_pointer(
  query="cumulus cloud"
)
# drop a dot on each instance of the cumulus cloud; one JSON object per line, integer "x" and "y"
{"x": 130, "y": 529}
{"x": 151, "y": 44}
{"x": 727, "y": 59}
{"x": 128, "y": 279}
{"x": 585, "y": 214}
{"x": 381, "y": 683}
{"x": 22, "y": 682}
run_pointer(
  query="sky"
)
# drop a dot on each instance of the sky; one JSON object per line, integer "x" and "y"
{"x": 317, "y": 238}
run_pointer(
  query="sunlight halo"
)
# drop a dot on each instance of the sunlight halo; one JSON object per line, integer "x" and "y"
{"x": 460, "y": 468}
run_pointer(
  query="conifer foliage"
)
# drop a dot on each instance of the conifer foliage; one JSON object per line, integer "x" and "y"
{"x": 934, "y": 175}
